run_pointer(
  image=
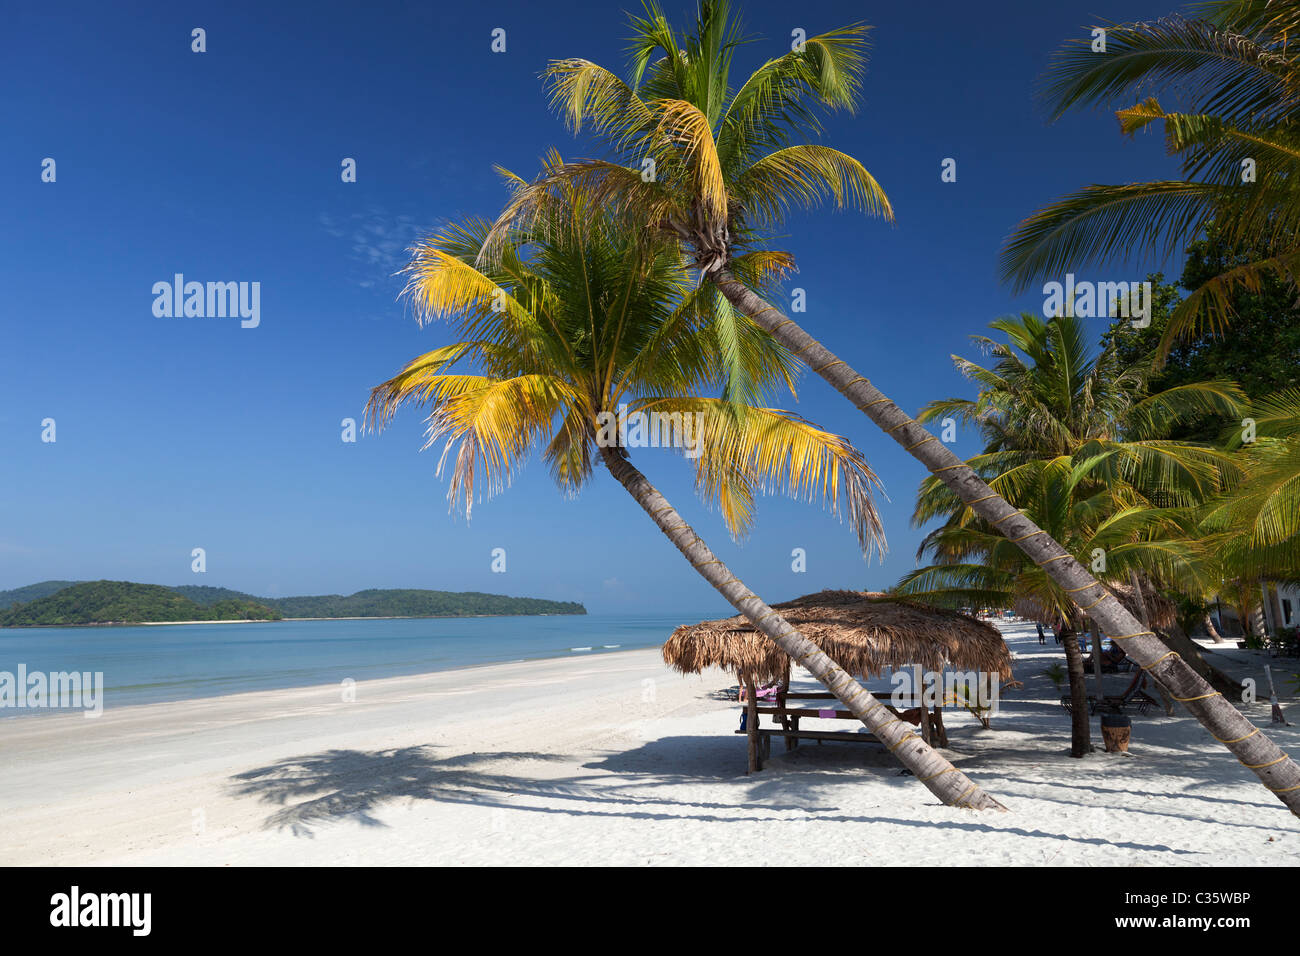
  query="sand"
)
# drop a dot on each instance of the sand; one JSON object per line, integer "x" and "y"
{"x": 609, "y": 760}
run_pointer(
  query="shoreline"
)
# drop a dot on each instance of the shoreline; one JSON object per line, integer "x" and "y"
{"x": 281, "y": 620}
{"x": 332, "y": 687}
{"x": 317, "y": 688}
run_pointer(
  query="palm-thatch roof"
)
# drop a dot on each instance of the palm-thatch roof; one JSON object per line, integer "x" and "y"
{"x": 1161, "y": 613}
{"x": 863, "y": 632}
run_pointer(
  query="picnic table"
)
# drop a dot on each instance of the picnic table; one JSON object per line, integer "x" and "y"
{"x": 787, "y": 716}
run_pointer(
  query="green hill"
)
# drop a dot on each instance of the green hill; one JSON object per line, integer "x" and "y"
{"x": 32, "y": 592}
{"x": 411, "y": 602}
{"x": 102, "y": 602}
{"x": 123, "y": 602}
{"x": 201, "y": 594}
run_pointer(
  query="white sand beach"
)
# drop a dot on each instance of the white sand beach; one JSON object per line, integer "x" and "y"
{"x": 606, "y": 760}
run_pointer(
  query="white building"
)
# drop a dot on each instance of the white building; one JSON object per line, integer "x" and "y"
{"x": 1287, "y": 613}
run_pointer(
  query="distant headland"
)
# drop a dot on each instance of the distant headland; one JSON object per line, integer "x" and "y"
{"x": 72, "y": 603}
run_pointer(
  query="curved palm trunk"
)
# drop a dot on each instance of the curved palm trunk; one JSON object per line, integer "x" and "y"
{"x": 1274, "y": 605}
{"x": 1211, "y": 630}
{"x": 942, "y": 779}
{"x": 1277, "y": 771}
{"x": 1252, "y": 600}
{"x": 1176, "y": 639}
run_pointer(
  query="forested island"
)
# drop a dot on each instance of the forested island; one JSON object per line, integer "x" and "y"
{"x": 55, "y": 603}
{"x": 124, "y": 602}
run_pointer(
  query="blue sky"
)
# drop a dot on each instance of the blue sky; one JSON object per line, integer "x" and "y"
{"x": 177, "y": 433}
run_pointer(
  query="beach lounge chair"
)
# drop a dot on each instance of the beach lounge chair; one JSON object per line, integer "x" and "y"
{"x": 1135, "y": 698}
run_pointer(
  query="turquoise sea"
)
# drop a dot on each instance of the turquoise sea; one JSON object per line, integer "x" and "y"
{"x": 182, "y": 661}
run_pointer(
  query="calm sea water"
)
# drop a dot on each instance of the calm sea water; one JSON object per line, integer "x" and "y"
{"x": 183, "y": 661}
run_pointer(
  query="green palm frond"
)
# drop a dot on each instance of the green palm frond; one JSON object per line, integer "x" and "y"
{"x": 1099, "y": 222}
{"x": 1236, "y": 71}
{"x": 702, "y": 162}
{"x": 801, "y": 177}
{"x": 1220, "y": 68}
{"x": 777, "y": 97}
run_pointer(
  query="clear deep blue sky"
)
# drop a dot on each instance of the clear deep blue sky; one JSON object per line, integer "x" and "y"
{"x": 181, "y": 433}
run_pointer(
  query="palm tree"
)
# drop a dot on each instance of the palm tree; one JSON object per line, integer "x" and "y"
{"x": 1049, "y": 398}
{"x": 1077, "y": 501}
{"x": 578, "y": 332}
{"x": 714, "y": 169}
{"x": 1258, "y": 524}
{"x": 1237, "y": 70}
{"x": 1048, "y": 394}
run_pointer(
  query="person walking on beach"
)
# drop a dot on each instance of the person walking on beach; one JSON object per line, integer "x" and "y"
{"x": 1042, "y": 638}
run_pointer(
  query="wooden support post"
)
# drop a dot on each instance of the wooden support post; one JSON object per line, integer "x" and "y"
{"x": 790, "y": 742}
{"x": 751, "y": 723}
{"x": 1096, "y": 662}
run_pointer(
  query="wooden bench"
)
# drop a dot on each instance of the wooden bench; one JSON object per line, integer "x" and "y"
{"x": 766, "y": 734}
{"x": 930, "y": 723}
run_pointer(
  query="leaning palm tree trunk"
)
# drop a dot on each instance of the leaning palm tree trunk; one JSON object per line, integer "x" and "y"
{"x": 942, "y": 779}
{"x": 1277, "y": 771}
{"x": 1211, "y": 630}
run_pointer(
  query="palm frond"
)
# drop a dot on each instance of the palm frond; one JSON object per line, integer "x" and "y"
{"x": 803, "y": 176}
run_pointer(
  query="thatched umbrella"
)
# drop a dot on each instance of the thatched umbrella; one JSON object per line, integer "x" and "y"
{"x": 864, "y": 632}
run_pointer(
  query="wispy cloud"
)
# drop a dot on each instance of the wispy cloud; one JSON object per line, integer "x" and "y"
{"x": 616, "y": 589}
{"x": 377, "y": 240}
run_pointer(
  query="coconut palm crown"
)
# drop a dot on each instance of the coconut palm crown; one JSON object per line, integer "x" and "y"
{"x": 1049, "y": 394}
{"x": 704, "y": 160}
{"x": 573, "y": 333}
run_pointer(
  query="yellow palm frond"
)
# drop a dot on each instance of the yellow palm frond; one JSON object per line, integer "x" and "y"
{"x": 442, "y": 286}
{"x": 1185, "y": 130}
{"x": 423, "y": 380}
{"x": 775, "y": 451}
{"x": 1139, "y": 115}
{"x": 802, "y": 176}
{"x": 569, "y": 452}
{"x": 492, "y": 427}
{"x": 685, "y": 125}
{"x": 761, "y": 267}
{"x": 1209, "y": 307}
{"x": 640, "y": 203}
{"x": 582, "y": 91}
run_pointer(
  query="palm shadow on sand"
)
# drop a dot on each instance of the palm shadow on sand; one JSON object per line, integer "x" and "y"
{"x": 336, "y": 785}
{"x": 353, "y": 785}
